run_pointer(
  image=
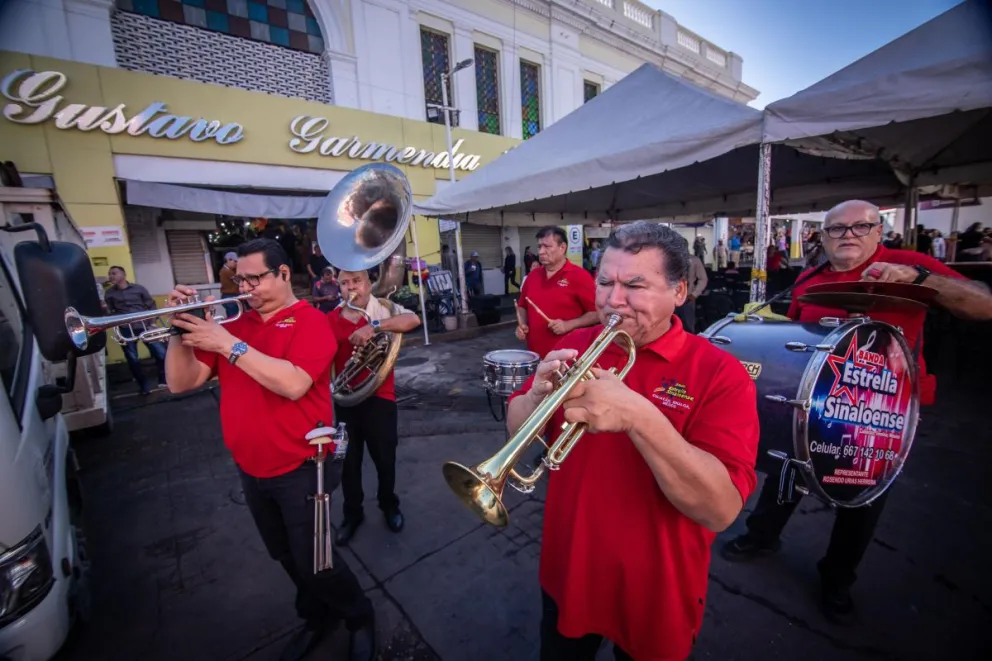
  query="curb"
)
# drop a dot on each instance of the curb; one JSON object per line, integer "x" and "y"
{"x": 456, "y": 335}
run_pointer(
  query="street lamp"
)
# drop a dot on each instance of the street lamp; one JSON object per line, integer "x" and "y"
{"x": 445, "y": 77}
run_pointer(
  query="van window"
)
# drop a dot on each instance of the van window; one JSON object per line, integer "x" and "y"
{"x": 13, "y": 366}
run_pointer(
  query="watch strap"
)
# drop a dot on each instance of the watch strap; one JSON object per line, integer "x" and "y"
{"x": 924, "y": 273}
{"x": 237, "y": 351}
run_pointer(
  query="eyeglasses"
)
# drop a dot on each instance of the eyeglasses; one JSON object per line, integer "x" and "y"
{"x": 857, "y": 229}
{"x": 252, "y": 280}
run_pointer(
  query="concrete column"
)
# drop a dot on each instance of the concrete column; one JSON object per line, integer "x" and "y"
{"x": 463, "y": 82}
{"x": 510, "y": 88}
{"x": 796, "y": 249}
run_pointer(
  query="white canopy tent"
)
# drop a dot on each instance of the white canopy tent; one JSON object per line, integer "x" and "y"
{"x": 922, "y": 103}
{"x": 652, "y": 146}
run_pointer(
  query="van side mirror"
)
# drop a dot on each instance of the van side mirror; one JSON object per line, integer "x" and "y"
{"x": 56, "y": 275}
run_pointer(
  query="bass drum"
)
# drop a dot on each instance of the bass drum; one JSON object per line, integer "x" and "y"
{"x": 838, "y": 402}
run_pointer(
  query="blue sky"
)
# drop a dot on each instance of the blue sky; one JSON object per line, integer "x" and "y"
{"x": 787, "y": 45}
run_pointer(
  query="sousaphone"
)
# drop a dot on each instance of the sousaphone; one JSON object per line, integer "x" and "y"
{"x": 362, "y": 224}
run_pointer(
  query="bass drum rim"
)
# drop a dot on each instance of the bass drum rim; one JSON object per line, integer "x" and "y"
{"x": 801, "y": 417}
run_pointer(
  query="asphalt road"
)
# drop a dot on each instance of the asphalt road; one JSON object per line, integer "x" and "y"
{"x": 179, "y": 571}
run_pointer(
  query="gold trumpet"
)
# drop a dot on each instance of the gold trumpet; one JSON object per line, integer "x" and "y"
{"x": 81, "y": 328}
{"x": 480, "y": 488}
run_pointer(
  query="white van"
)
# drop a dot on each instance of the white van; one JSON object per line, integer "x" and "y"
{"x": 46, "y": 384}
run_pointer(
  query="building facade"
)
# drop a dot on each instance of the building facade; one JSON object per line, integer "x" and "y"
{"x": 264, "y": 105}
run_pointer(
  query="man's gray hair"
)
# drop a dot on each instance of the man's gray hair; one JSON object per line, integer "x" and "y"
{"x": 634, "y": 237}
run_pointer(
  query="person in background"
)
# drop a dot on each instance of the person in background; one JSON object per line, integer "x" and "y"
{"x": 326, "y": 292}
{"x": 696, "y": 285}
{"x": 735, "y": 250}
{"x": 720, "y": 256}
{"x": 852, "y": 232}
{"x": 316, "y": 264}
{"x": 667, "y": 463}
{"x": 533, "y": 267}
{"x": 924, "y": 242}
{"x": 124, "y": 297}
{"x": 274, "y": 369}
{"x": 228, "y": 289}
{"x": 563, "y": 291}
{"x": 510, "y": 269}
{"x": 473, "y": 275}
{"x": 776, "y": 259}
{"x": 529, "y": 259}
{"x": 939, "y": 246}
{"x": 969, "y": 247}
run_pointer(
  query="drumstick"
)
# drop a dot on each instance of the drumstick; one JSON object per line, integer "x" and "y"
{"x": 538, "y": 310}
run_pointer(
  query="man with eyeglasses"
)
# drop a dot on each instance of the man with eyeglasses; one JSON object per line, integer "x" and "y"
{"x": 274, "y": 368}
{"x": 852, "y": 241}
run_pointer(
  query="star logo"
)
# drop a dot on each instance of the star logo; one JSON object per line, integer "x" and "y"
{"x": 837, "y": 365}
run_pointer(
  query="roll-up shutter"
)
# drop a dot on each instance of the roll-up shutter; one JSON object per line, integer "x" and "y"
{"x": 487, "y": 240}
{"x": 187, "y": 251}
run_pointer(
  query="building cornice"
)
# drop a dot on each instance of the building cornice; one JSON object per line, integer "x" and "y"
{"x": 592, "y": 23}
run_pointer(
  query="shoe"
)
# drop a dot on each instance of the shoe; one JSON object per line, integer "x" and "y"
{"x": 746, "y": 547}
{"x": 361, "y": 643}
{"x": 837, "y": 605}
{"x": 301, "y": 644}
{"x": 394, "y": 520}
{"x": 347, "y": 530}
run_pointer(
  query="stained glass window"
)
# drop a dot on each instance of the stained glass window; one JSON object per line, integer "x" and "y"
{"x": 288, "y": 23}
{"x": 435, "y": 54}
{"x": 487, "y": 89}
{"x": 530, "y": 97}
{"x": 590, "y": 90}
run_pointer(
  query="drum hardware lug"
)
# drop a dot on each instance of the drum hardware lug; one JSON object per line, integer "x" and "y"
{"x": 831, "y": 321}
{"x": 800, "y": 346}
{"x": 753, "y": 317}
{"x": 720, "y": 339}
{"x": 787, "y": 487}
{"x": 799, "y": 404}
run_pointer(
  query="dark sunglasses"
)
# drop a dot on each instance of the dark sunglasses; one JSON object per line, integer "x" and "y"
{"x": 857, "y": 229}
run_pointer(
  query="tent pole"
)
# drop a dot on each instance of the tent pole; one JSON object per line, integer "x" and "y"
{"x": 762, "y": 225}
{"x": 420, "y": 281}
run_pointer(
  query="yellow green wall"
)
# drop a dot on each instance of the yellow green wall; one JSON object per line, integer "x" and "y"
{"x": 81, "y": 163}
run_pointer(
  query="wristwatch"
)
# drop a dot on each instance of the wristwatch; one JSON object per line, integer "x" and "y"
{"x": 375, "y": 324}
{"x": 924, "y": 273}
{"x": 238, "y": 350}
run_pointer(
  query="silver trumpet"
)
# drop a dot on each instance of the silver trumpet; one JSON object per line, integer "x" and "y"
{"x": 82, "y": 328}
{"x": 323, "y": 556}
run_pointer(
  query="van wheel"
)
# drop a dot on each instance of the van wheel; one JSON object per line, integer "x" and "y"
{"x": 107, "y": 428}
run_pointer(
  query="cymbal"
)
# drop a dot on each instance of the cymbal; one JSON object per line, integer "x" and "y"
{"x": 860, "y": 302}
{"x": 919, "y": 293}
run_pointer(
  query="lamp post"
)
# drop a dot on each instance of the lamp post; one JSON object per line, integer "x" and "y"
{"x": 445, "y": 77}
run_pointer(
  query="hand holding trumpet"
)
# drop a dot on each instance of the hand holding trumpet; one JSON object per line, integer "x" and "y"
{"x": 604, "y": 403}
{"x": 203, "y": 334}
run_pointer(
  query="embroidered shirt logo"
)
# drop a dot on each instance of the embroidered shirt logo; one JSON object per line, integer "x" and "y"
{"x": 286, "y": 323}
{"x": 674, "y": 395}
{"x": 563, "y": 282}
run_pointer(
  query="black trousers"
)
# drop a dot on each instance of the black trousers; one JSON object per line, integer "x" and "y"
{"x": 283, "y": 513}
{"x": 556, "y": 647}
{"x": 370, "y": 424}
{"x": 852, "y": 532}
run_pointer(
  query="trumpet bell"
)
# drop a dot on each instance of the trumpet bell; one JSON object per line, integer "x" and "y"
{"x": 76, "y": 328}
{"x": 476, "y": 493}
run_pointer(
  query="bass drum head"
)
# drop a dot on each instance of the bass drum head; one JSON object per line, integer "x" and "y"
{"x": 863, "y": 406}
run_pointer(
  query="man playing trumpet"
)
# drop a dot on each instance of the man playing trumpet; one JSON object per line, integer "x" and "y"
{"x": 274, "y": 366}
{"x": 668, "y": 462}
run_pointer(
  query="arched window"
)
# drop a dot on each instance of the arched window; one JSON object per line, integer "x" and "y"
{"x": 288, "y": 23}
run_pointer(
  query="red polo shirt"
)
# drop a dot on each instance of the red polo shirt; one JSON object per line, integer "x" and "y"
{"x": 566, "y": 295}
{"x": 911, "y": 322}
{"x": 617, "y": 557}
{"x": 342, "y": 329}
{"x": 265, "y": 432}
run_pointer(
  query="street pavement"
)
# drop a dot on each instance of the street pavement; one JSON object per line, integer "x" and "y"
{"x": 179, "y": 571}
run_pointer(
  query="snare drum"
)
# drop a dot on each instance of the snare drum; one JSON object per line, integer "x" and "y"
{"x": 838, "y": 401}
{"x": 504, "y": 371}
